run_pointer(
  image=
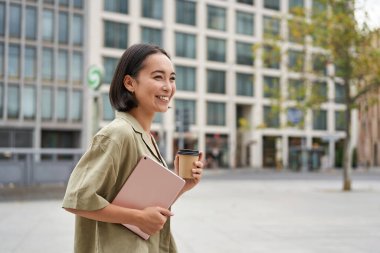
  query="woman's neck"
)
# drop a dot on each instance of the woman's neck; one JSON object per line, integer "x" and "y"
{"x": 144, "y": 119}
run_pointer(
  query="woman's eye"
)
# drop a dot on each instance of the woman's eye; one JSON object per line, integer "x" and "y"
{"x": 158, "y": 77}
{"x": 172, "y": 78}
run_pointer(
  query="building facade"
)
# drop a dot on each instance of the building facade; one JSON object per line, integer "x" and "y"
{"x": 226, "y": 76}
{"x": 369, "y": 123}
{"x": 42, "y": 59}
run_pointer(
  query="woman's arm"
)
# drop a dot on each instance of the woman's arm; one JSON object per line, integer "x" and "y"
{"x": 150, "y": 220}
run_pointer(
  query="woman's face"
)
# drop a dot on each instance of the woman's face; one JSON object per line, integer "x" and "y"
{"x": 155, "y": 84}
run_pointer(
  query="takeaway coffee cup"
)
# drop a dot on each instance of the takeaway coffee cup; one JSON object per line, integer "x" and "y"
{"x": 186, "y": 159}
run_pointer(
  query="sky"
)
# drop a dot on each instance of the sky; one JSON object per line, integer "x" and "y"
{"x": 373, "y": 10}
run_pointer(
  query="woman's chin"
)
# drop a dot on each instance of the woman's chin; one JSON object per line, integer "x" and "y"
{"x": 163, "y": 108}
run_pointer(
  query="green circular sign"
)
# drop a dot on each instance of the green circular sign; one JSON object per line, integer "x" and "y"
{"x": 94, "y": 77}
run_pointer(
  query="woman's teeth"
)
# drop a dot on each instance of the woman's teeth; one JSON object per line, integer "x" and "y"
{"x": 164, "y": 98}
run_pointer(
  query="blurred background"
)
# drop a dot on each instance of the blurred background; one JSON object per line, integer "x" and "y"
{"x": 235, "y": 60}
{"x": 281, "y": 95}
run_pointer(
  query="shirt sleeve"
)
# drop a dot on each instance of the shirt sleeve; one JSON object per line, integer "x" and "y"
{"x": 91, "y": 182}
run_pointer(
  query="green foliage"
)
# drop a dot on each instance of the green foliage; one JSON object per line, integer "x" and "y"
{"x": 271, "y": 56}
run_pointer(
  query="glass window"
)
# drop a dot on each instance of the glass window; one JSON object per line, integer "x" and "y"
{"x": 30, "y": 63}
{"x": 319, "y": 120}
{"x": 47, "y": 103}
{"x": 61, "y": 104}
{"x": 31, "y": 23}
{"x": 216, "y": 49}
{"x": 244, "y": 23}
{"x": 49, "y": 1}
{"x": 295, "y": 60}
{"x": 13, "y": 104}
{"x": 79, "y": 3}
{"x": 189, "y": 105}
{"x": 271, "y": 87}
{"x": 152, "y": 36}
{"x": 63, "y": 65}
{"x": 77, "y": 30}
{"x": 152, "y": 9}
{"x": 216, "y": 18}
{"x": 63, "y": 29}
{"x": 244, "y": 84}
{"x": 47, "y": 64}
{"x": 216, "y": 81}
{"x": 14, "y": 61}
{"x": 158, "y": 117}
{"x": 296, "y": 31}
{"x": 250, "y": 2}
{"x": 340, "y": 93}
{"x": 296, "y": 90}
{"x": 296, "y": 7}
{"x": 108, "y": 113}
{"x": 109, "y": 68}
{"x": 295, "y": 117}
{"x": 1, "y": 59}
{"x": 339, "y": 68}
{"x": 340, "y": 120}
{"x": 77, "y": 67}
{"x": 116, "y": 35}
{"x": 319, "y": 64}
{"x": 244, "y": 53}
{"x": 272, "y": 4}
{"x": 2, "y": 19}
{"x": 120, "y": 6}
{"x": 15, "y": 21}
{"x": 271, "y": 57}
{"x": 318, "y": 6}
{"x": 271, "y": 27}
{"x": 76, "y": 105}
{"x": 64, "y": 2}
{"x": 29, "y": 102}
{"x": 186, "y": 12}
{"x": 271, "y": 117}
{"x": 48, "y": 25}
{"x": 216, "y": 113}
{"x": 185, "y": 45}
{"x": 319, "y": 92}
{"x": 185, "y": 78}
{"x": 23, "y": 139}
{"x": 1, "y": 99}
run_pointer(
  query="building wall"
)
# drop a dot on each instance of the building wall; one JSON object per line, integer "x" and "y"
{"x": 42, "y": 73}
{"x": 369, "y": 135}
{"x": 219, "y": 104}
{"x": 369, "y": 122}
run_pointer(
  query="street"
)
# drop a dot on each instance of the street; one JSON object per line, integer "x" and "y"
{"x": 232, "y": 211}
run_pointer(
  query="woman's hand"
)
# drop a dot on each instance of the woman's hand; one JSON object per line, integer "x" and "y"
{"x": 197, "y": 172}
{"x": 152, "y": 219}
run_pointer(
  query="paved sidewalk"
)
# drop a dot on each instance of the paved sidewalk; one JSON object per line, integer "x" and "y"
{"x": 232, "y": 212}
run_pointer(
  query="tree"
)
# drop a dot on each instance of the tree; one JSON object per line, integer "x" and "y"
{"x": 349, "y": 54}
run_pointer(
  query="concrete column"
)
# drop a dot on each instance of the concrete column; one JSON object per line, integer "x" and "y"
{"x": 285, "y": 151}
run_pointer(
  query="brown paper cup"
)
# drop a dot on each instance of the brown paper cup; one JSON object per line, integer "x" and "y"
{"x": 187, "y": 157}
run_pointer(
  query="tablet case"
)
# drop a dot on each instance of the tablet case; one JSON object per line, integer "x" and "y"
{"x": 150, "y": 184}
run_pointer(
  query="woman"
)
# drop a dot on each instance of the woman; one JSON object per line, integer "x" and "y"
{"x": 143, "y": 84}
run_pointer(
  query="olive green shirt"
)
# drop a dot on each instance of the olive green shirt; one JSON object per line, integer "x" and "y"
{"x": 96, "y": 180}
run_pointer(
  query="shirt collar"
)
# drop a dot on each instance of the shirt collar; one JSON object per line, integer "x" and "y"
{"x": 141, "y": 132}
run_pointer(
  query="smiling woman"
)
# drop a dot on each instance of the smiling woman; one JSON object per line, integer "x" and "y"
{"x": 143, "y": 84}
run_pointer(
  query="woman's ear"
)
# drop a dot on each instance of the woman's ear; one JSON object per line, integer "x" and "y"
{"x": 129, "y": 83}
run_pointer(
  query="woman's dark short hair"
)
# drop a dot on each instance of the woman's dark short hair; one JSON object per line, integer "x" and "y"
{"x": 130, "y": 63}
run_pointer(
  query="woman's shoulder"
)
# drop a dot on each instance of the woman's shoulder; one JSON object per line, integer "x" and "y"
{"x": 117, "y": 131}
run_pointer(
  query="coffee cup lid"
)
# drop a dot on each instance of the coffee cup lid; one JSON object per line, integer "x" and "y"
{"x": 188, "y": 152}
